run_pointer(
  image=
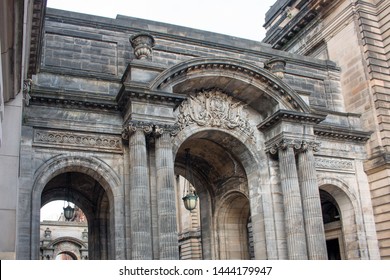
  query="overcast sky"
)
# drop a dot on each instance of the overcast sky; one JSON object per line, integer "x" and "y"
{"x": 240, "y": 18}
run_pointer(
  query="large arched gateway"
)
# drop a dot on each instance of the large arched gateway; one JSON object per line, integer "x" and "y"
{"x": 111, "y": 127}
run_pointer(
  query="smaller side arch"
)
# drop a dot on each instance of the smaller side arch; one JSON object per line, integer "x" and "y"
{"x": 231, "y": 221}
{"x": 98, "y": 170}
{"x": 350, "y": 214}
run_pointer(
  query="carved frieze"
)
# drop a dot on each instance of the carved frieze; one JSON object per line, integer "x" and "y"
{"x": 79, "y": 140}
{"x": 214, "y": 108}
{"x": 334, "y": 164}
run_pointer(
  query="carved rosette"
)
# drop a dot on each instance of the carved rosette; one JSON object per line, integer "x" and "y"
{"x": 214, "y": 108}
{"x": 142, "y": 44}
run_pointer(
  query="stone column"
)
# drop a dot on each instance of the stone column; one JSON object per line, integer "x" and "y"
{"x": 140, "y": 221}
{"x": 311, "y": 203}
{"x": 166, "y": 197}
{"x": 295, "y": 231}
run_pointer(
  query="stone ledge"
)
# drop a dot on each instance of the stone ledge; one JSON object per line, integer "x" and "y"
{"x": 341, "y": 133}
{"x": 291, "y": 116}
{"x": 377, "y": 163}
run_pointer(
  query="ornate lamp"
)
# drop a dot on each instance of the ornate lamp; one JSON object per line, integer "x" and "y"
{"x": 69, "y": 210}
{"x": 190, "y": 197}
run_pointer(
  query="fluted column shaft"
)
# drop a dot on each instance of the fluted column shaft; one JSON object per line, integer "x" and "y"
{"x": 311, "y": 203}
{"x": 141, "y": 237}
{"x": 295, "y": 232}
{"x": 168, "y": 238}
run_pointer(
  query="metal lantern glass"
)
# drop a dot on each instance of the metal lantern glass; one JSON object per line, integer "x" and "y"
{"x": 68, "y": 212}
{"x": 190, "y": 201}
{"x": 190, "y": 198}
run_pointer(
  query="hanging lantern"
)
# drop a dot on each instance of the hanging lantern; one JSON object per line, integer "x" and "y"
{"x": 190, "y": 197}
{"x": 68, "y": 212}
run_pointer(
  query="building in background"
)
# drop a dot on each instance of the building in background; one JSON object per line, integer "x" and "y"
{"x": 356, "y": 35}
{"x": 20, "y": 38}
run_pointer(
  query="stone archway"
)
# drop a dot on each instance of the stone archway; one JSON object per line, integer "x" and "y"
{"x": 110, "y": 202}
{"x": 232, "y": 227}
{"x": 223, "y": 164}
{"x": 346, "y": 202}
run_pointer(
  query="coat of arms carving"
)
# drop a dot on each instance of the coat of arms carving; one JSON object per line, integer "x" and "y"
{"x": 214, "y": 108}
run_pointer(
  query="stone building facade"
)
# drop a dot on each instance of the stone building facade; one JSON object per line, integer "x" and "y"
{"x": 278, "y": 158}
{"x": 21, "y": 23}
{"x": 356, "y": 35}
{"x": 63, "y": 240}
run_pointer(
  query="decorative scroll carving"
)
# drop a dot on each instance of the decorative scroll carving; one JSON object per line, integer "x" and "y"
{"x": 77, "y": 140}
{"x": 334, "y": 164}
{"x": 215, "y": 109}
{"x": 150, "y": 129}
{"x": 296, "y": 144}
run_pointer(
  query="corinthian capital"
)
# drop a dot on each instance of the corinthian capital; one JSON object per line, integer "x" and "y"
{"x": 134, "y": 126}
{"x": 309, "y": 145}
{"x": 284, "y": 144}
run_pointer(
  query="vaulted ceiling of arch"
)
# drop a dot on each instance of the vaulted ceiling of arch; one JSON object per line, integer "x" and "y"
{"x": 213, "y": 161}
{"x": 84, "y": 191}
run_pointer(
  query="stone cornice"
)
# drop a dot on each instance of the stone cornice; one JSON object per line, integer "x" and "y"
{"x": 72, "y": 99}
{"x": 291, "y": 116}
{"x": 377, "y": 163}
{"x": 133, "y": 91}
{"x": 278, "y": 37}
{"x": 38, "y": 15}
{"x": 341, "y": 133}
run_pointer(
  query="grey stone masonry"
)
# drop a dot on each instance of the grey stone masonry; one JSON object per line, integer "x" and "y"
{"x": 168, "y": 237}
{"x": 141, "y": 236}
{"x": 295, "y": 230}
{"x": 311, "y": 202}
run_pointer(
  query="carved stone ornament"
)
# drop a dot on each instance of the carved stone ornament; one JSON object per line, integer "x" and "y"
{"x": 150, "y": 129}
{"x": 77, "y": 139}
{"x": 297, "y": 145}
{"x": 214, "y": 108}
{"x": 142, "y": 44}
{"x": 277, "y": 66}
{"x": 334, "y": 164}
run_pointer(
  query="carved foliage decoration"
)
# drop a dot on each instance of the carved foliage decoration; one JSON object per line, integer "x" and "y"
{"x": 213, "y": 108}
{"x": 334, "y": 164}
{"x": 77, "y": 140}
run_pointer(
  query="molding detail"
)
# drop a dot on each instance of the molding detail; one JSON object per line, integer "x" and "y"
{"x": 71, "y": 139}
{"x": 342, "y": 133}
{"x": 214, "y": 108}
{"x": 334, "y": 163}
{"x": 290, "y": 116}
